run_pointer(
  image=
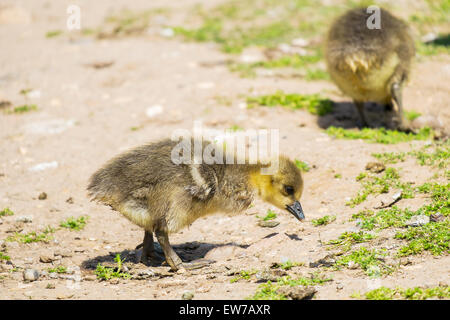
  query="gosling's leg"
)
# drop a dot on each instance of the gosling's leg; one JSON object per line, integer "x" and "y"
{"x": 148, "y": 248}
{"x": 172, "y": 258}
{"x": 360, "y": 107}
{"x": 396, "y": 94}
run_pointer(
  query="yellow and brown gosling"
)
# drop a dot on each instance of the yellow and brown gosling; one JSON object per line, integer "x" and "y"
{"x": 370, "y": 64}
{"x": 162, "y": 197}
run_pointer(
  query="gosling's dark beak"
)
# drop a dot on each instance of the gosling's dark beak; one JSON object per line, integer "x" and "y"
{"x": 296, "y": 210}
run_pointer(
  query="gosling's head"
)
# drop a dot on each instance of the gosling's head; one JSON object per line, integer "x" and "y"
{"x": 283, "y": 189}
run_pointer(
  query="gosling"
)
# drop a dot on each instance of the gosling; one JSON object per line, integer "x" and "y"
{"x": 162, "y": 197}
{"x": 370, "y": 64}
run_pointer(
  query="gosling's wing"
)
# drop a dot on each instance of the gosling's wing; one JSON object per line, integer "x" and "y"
{"x": 203, "y": 181}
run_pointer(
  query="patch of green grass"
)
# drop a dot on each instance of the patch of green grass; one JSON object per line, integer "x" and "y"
{"x": 58, "y": 269}
{"x": 432, "y": 237}
{"x": 439, "y": 156}
{"x": 52, "y": 34}
{"x": 241, "y": 24}
{"x": 107, "y": 273}
{"x": 44, "y": 236}
{"x": 369, "y": 260}
{"x": 338, "y": 176}
{"x": 390, "y": 157}
{"x": 316, "y": 74}
{"x": 303, "y": 166}
{"x": 379, "y": 135}
{"x": 289, "y": 265}
{"x": 75, "y": 224}
{"x": 269, "y": 216}
{"x": 244, "y": 274}
{"x": 412, "y": 115}
{"x": 268, "y": 291}
{"x": 210, "y": 31}
{"x": 384, "y": 218}
{"x": 4, "y": 257}
{"x": 323, "y": 221}
{"x": 125, "y": 23}
{"x": 286, "y": 61}
{"x": 373, "y": 184}
{"x": 6, "y": 212}
{"x": 314, "y": 103}
{"x": 347, "y": 239}
{"x": 23, "y": 109}
{"x": 416, "y": 293}
{"x": 235, "y": 128}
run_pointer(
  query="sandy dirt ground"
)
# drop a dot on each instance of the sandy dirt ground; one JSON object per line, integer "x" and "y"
{"x": 87, "y": 115}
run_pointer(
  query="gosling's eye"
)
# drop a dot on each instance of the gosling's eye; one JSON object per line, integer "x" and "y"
{"x": 289, "y": 190}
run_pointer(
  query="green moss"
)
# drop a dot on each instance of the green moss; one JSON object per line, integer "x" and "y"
{"x": 235, "y": 128}
{"x": 347, "y": 239}
{"x": 316, "y": 74}
{"x": 6, "y": 212}
{"x": 268, "y": 291}
{"x": 235, "y": 25}
{"x": 75, "y": 224}
{"x": 369, "y": 260}
{"x": 374, "y": 184}
{"x": 390, "y": 157}
{"x": 107, "y": 273}
{"x": 52, "y": 34}
{"x": 323, "y": 221}
{"x": 314, "y": 103}
{"x": 244, "y": 275}
{"x": 23, "y": 109}
{"x": 432, "y": 237}
{"x": 58, "y": 269}
{"x": 4, "y": 257}
{"x": 412, "y": 115}
{"x": 269, "y": 216}
{"x": 44, "y": 236}
{"x": 379, "y": 135}
{"x": 289, "y": 265}
{"x": 416, "y": 293}
{"x": 439, "y": 156}
{"x": 384, "y": 218}
{"x": 303, "y": 166}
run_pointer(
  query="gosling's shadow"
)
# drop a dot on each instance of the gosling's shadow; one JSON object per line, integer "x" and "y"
{"x": 188, "y": 251}
{"x": 345, "y": 115}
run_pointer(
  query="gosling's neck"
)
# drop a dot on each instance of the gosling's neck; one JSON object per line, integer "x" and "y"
{"x": 260, "y": 183}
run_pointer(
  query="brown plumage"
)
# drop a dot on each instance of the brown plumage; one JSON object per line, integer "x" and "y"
{"x": 370, "y": 64}
{"x": 148, "y": 188}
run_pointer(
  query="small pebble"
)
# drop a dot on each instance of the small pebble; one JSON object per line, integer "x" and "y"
{"x": 30, "y": 275}
{"x": 24, "y": 219}
{"x": 42, "y": 196}
{"x": 46, "y": 259}
{"x": 187, "y": 295}
{"x": 418, "y": 220}
{"x": 268, "y": 224}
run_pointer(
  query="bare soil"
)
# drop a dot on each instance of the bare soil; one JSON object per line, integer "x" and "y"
{"x": 85, "y": 116}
